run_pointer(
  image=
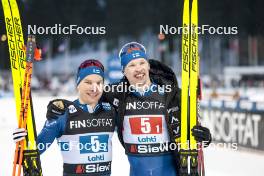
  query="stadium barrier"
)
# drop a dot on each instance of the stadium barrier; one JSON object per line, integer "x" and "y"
{"x": 240, "y": 122}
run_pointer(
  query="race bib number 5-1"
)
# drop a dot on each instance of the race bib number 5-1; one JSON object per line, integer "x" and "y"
{"x": 146, "y": 125}
{"x": 143, "y": 129}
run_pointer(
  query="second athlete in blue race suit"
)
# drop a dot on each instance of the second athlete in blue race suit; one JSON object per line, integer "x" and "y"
{"x": 84, "y": 136}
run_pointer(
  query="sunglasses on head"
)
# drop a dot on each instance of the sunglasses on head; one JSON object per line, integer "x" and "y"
{"x": 91, "y": 62}
{"x": 133, "y": 46}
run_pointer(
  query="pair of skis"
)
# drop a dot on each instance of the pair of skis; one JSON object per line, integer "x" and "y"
{"x": 191, "y": 156}
{"x": 26, "y": 153}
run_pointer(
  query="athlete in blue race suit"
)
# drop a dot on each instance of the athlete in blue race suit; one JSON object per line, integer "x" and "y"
{"x": 83, "y": 129}
{"x": 149, "y": 114}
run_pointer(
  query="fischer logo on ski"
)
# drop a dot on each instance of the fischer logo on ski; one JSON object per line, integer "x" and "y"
{"x": 17, "y": 54}
{"x": 191, "y": 159}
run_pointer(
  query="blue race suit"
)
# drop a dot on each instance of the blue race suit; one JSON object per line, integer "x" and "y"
{"x": 92, "y": 128}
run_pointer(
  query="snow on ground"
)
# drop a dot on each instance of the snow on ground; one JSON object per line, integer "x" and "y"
{"x": 218, "y": 161}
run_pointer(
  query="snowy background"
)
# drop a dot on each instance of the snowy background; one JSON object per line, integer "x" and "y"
{"x": 218, "y": 161}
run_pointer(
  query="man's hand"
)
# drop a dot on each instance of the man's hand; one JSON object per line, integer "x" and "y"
{"x": 19, "y": 134}
{"x": 56, "y": 108}
{"x": 202, "y": 134}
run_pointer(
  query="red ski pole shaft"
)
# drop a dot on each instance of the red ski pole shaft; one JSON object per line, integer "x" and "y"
{"x": 29, "y": 69}
{"x": 21, "y": 118}
{"x": 31, "y": 45}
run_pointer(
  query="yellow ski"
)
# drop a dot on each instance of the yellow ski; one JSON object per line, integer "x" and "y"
{"x": 21, "y": 55}
{"x": 17, "y": 61}
{"x": 194, "y": 63}
{"x": 185, "y": 75}
{"x": 189, "y": 163}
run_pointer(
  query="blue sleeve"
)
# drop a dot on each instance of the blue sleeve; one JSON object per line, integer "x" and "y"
{"x": 52, "y": 129}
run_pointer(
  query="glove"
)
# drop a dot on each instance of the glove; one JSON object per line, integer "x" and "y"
{"x": 56, "y": 108}
{"x": 19, "y": 134}
{"x": 202, "y": 134}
